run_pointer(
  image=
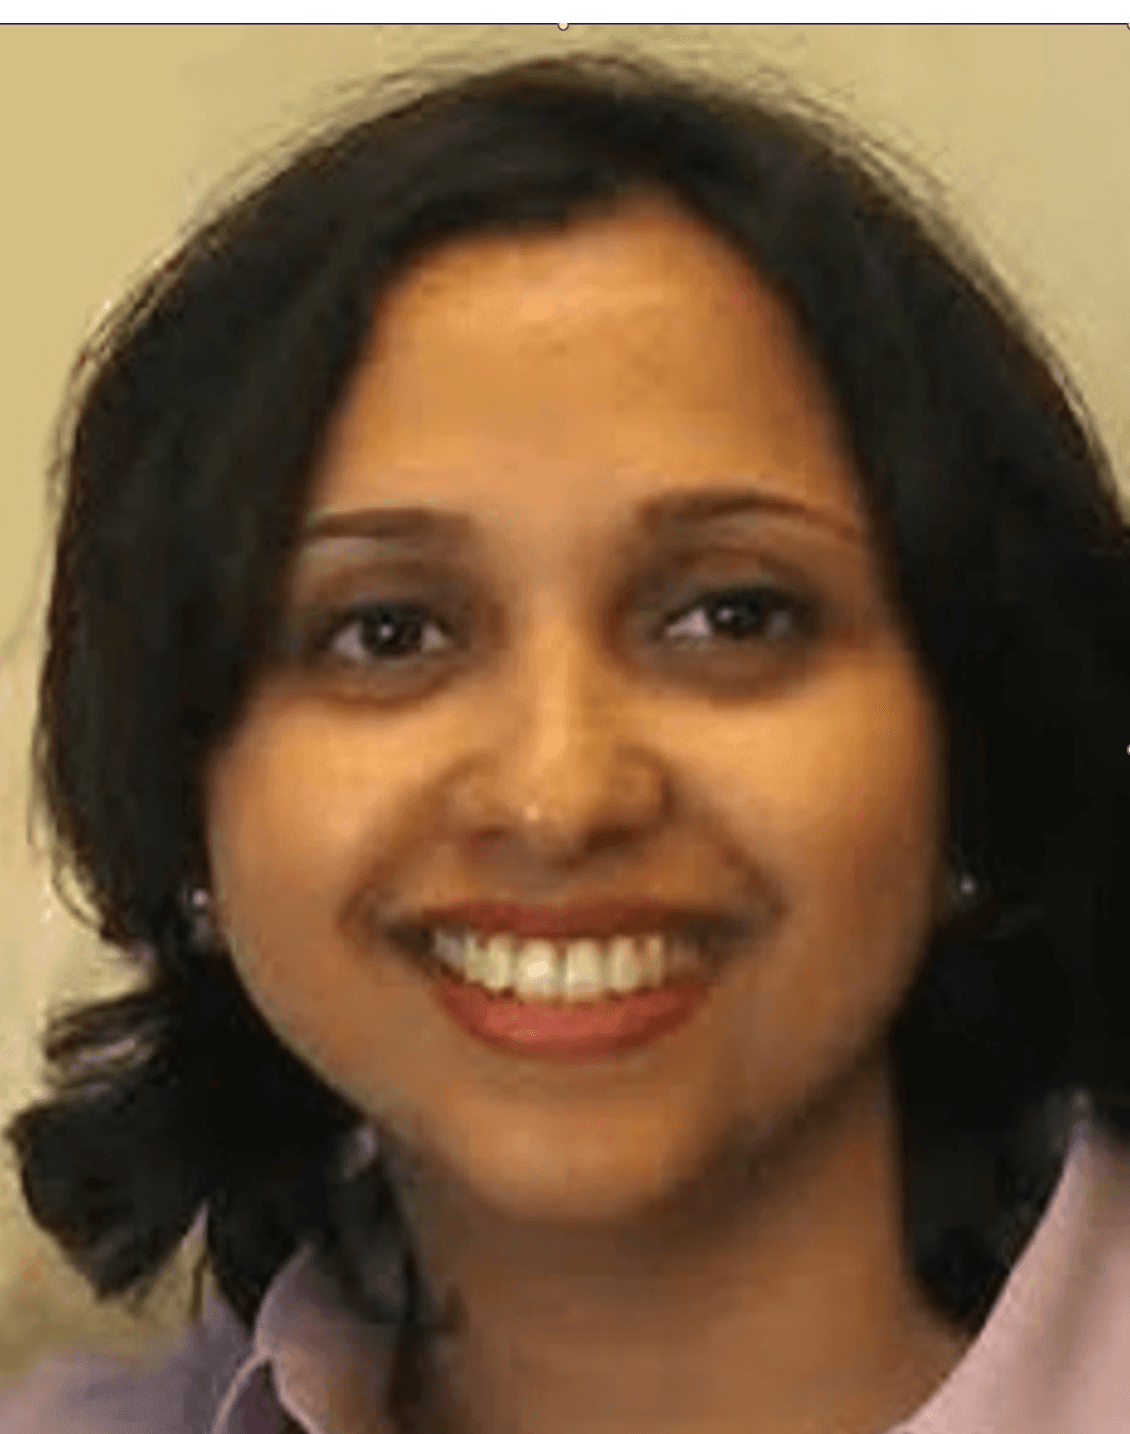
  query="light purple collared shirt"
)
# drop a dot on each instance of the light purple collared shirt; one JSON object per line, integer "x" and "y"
{"x": 1053, "y": 1357}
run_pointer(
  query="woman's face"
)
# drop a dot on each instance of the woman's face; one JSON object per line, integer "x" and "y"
{"x": 552, "y": 404}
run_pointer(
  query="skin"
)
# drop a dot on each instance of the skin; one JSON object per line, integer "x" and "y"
{"x": 705, "y": 1233}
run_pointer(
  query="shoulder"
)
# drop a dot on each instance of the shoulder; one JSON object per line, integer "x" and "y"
{"x": 1054, "y": 1355}
{"x": 1090, "y": 1360}
{"x": 178, "y": 1390}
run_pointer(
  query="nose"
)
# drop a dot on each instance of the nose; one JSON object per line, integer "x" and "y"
{"x": 565, "y": 770}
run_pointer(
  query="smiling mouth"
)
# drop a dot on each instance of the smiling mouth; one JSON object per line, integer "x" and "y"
{"x": 576, "y": 1000}
{"x": 572, "y": 972}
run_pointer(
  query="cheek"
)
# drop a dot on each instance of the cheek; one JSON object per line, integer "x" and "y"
{"x": 844, "y": 772}
{"x": 853, "y": 801}
{"x": 833, "y": 799}
{"x": 306, "y": 811}
{"x": 295, "y": 827}
{"x": 286, "y": 822}
{"x": 833, "y": 804}
{"x": 293, "y": 809}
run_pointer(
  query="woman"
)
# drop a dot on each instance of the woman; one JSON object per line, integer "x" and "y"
{"x": 586, "y": 655}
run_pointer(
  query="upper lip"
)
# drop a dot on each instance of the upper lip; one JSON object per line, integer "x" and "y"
{"x": 597, "y": 918}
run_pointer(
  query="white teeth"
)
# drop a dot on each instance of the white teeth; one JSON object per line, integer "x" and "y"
{"x": 573, "y": 971}
{"x": 625, "y": 970}
{"x": 476, "y": 961}
{"x": 537, "y": 973}
{"x": 658, "y": 959}
{"x": 498, "y": 961}
{"x": 584, "y": 971}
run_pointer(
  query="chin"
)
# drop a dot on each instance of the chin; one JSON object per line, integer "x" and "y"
{"x": 542, "y": 1177}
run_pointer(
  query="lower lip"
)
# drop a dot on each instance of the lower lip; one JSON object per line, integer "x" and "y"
{"x": 570, "y": 1032}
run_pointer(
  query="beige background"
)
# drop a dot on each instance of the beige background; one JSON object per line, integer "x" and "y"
{"x": 113, "y": 133}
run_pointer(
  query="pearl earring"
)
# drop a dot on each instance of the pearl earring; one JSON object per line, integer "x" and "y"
{"x": 200, "y": 914}
{"x": 964, "y": 889}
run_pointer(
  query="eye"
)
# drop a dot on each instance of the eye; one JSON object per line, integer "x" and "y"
{"x": 762, "y": 614}
{"x": 382, "y": 633}
{"x": 396, "y": 634}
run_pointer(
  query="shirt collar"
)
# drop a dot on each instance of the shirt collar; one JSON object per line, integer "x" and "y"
{"x": 310, "y": 1355}
{"x": 1052, "y": 1354}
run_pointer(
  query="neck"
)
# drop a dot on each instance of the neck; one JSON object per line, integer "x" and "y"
{"x": 775, "y": 1290}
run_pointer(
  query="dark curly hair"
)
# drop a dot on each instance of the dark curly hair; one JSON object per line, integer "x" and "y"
{"x": 184, "y": 456}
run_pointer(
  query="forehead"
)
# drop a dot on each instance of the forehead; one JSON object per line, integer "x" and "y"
{"x": 582, "y": 370}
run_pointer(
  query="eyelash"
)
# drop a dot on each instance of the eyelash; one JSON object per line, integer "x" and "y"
{"x": 805, "y": 616}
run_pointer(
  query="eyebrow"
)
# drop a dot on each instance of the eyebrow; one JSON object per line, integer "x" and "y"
{"x": 662, "y": 516}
